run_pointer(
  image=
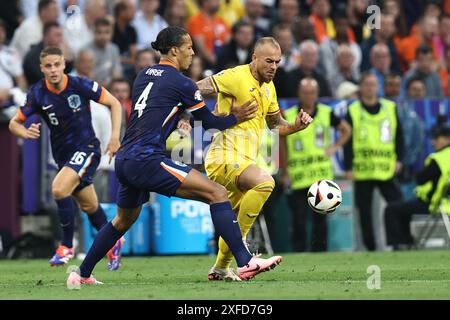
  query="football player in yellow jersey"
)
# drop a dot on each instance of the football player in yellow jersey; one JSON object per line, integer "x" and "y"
{"x": 231, "y": 159}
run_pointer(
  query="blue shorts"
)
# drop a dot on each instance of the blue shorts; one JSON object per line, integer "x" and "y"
{"x": 138, "y": 178}
{"x": 85, "y": 164}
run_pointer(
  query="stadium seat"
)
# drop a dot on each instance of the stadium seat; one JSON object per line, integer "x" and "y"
{"x": 433, "y": 230}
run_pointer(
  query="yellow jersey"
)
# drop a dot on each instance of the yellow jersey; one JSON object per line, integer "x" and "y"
{"x": 242, "y": 141}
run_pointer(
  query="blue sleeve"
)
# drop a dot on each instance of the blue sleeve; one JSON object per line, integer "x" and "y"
{"x": 191, "y": 97}
{"x": 30, "y": 107}
{"x": 91, "y": 89}
{"x": 210, "y": 121}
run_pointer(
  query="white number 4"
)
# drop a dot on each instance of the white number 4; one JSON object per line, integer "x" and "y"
{"x": 141, "y": 103}
{"x": 78, "y": 158}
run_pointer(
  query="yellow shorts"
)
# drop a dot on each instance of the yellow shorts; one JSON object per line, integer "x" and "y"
{"x": 227, "y": 175}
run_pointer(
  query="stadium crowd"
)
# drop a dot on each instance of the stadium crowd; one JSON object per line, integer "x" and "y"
{"x": 337, "y": 43}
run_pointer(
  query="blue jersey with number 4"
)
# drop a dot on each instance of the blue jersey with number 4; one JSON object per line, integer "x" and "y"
{"x": 67, "y": 113}
{"x": 160, "y": 95}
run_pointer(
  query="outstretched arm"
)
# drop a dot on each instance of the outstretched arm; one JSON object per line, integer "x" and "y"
{"x": 116, "y": 119}
{"x": 284, "y": 128}
{"x": 238, "y": 114}
{"x": 206, "y": 87}
{"x": 18, "y": 129}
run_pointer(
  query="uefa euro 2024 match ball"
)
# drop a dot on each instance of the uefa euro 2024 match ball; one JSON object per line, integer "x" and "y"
{"x": 324, "y": 196}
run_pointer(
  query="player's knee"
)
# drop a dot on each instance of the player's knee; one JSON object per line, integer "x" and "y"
{"x": 89, "y": 208}
{"x": 124, "y": 220}
{"x": 267, "y": 186}
{"x": 58, "y": 192}
{"x": 218, "y": 194}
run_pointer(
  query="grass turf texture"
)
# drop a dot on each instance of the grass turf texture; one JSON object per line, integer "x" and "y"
{"x": 404, "y": 275}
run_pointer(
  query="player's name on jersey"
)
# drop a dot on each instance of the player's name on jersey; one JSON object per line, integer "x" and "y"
{"x": 154, "y": 72}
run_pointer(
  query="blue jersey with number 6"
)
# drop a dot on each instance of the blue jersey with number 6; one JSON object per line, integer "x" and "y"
{"x": 160, "y": 95}
{"x": 67, "y": 113}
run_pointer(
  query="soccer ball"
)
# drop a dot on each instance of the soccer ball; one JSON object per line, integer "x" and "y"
{"x": 324, "y": 196}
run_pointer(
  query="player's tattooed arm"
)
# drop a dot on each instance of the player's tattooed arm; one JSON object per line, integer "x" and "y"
{"x": 206, "y": 87}
{"x": 277, "y": 122}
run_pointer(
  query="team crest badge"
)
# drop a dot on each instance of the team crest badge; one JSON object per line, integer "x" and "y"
{"x": 74, "y": 101}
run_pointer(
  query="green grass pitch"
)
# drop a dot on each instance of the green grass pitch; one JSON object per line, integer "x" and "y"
{"x": 404, "y": 275}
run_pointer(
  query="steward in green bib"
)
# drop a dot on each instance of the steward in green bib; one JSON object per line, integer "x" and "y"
{"x": 373, "y": 155}
{"x": 307, "y": 159}
{"x": 431, "y": 191}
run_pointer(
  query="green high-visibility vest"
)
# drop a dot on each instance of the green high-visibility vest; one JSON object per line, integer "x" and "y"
{"x": 374, "y": 153}
{"x": 306, "y": 160}
{"x": 442, "y": 159}
{"x": 266, "y": 160}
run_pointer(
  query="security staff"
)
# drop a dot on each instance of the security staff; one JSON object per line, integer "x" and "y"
{"x": 373, "y": 155}
{"x": 307, "y": 156}
{"x": 432, "y": 181}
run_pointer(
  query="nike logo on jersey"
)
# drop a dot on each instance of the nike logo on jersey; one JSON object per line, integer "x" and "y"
{"x": 47, "y": 107}
{"x": 235, "y": 221}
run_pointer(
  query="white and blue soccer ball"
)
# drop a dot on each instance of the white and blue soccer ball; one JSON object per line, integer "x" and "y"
{"x": 324, "y": 196}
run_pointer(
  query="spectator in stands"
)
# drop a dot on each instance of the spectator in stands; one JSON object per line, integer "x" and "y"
{"x": 380, "y": 59}
{"x": 344, "y": 68}
{"x": 433, "y": 8}
{"x": 415, "y": 88}
{"x": 384, "y": 35}
{"x": 30, "y": 31}
{"x": 106, "y": 54}
{"x": 290, "y": 56}
{"x": 347, "y": 91}
{"x": 240, "y": 48}
{"x": 445, "y": 74}
{"x": 287, "y": 13}
{"x": 290, "y": 53}
{"x": 374, "y": 153}
{"x": 176, "y": 13}
{"x": 424, "y": 62}
{"x": 424, "y": 33}
{"x": 323, "y": 25}
{"x": 413, "y": 128}
{"x": 308, "y": 160}
{"x": 394, "y": 8}
{"x": 53, "y": 37}
{"x": 357, "y": 16}
{"x": 84, "y": 64}
{"x": 195, "y": 71}
{"x": 431, "y": 180}
{"x": 79, "y": 28}
{"x": 122, "y": 91}
{"x": 144, "y": 58}
{"x": 304, "y": 30}
{"x": 309, "y": 55}
{"x": 328, "y": 48}
{"x": 392, "y": 86}
{"x": 125, "y": 36}
{"x": 254, "y": 11}
{"x": 443, "y": 40}
{"x": 11, "y": 15}
{"x": 11, "y": 73}
{"x": 148, "y": 23}
{"x": 208, "y": 31}
{"x": 231, "y": 11}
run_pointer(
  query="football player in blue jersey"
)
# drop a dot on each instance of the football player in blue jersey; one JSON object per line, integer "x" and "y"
{"x": 161, "y": 93}
{"x": 63, "y": 102}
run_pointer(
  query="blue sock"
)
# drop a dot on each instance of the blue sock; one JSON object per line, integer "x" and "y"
{"x": 223, "y": 216}
{"x": 66, "y": 211}
{"x": 104, "y": 241}
{"x": 98, "y": 218}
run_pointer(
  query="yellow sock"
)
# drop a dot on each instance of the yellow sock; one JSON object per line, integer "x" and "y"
{"x": 251, "y": 205}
